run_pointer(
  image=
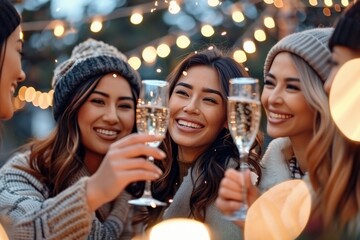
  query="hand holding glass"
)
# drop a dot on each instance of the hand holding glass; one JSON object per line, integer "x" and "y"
{"x": 244, "y": 113}
{"x": 152, "y": 116}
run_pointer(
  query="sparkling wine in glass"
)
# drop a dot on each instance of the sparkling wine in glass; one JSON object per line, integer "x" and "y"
{"x": 244, "y": 112}
{"x": 152, "y": 116}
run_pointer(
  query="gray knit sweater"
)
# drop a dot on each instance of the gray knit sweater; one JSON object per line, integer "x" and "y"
{"x": 221, "y": 229}
{"x": 34, "y": 215}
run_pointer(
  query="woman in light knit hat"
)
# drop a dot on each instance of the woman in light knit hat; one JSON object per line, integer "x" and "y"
{"x": 295, "y": 104}
{"x": 336, "y": 183}
{"x": 11, "y": 72}
{"x": 71, "y": 184}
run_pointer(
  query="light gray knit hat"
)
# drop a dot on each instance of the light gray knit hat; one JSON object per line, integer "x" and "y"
{"x": 310, "y": 45}
{"x": 89, "y": 59}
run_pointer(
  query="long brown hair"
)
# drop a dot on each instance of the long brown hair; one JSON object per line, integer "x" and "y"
{"x": 55, "y": 159}
{"x": 211, "y": 164}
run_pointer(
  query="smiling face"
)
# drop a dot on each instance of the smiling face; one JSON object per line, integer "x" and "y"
{"x": 340, "y": 55}
{"x": 107, "y": 115}
{"x": 11, "y": 73}
{"x": 197, "y": 111}
{"x": 288, "y": 113}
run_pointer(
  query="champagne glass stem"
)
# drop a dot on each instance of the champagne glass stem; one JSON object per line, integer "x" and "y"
{"x": 243, "y": 167}
{"x": 147, "y": 191}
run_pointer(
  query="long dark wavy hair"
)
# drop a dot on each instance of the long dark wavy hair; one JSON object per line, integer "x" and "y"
{"x": 58, "y": 157}
{"x": 211, "y": 164}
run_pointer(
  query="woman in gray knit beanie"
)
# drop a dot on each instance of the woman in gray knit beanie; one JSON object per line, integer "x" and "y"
{"x": 11, "y": 72}
{"x": 295, "y": 104}
{"x": 71, "y": 184}
{"x": 336, "y": 182}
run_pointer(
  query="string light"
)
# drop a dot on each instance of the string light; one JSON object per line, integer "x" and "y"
{"x": 260, "y": 35}
{"x": 237, "y": 16}
{"x": 96, "y": 25}
{"x": 163, "y": 50}
{"x": 213, "y": 3}
{"x": 240, "y": 56}
{"x": 150, "y": 53}
{"x": 183, "y": 41}
{"x": 249, "y": 46}
{"x": 174, "y": 8}
{"x": 207, "y": 30}
{"x": 135, "y": 62}
{"x": 136, "y": 18}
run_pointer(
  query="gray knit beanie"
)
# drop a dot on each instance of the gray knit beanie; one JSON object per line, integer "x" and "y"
{"x": 90, "y": 59}
{"x": 310, "y": 45}
{"x": 9, "y": 20}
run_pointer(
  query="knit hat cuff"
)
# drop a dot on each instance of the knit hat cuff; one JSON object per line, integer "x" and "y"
{"x": 309, "y": 45}
{"x": 84, "y": 70}
{"x": 347, "y": 34}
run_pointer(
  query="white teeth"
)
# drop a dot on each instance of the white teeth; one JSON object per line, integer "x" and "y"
{"x": 189, "y": 124}
{"x": 106, "y": 132}
{"x": 279, "y": 116}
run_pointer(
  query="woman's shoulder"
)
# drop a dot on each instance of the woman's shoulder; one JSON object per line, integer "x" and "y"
{"x": 17, "y": 159}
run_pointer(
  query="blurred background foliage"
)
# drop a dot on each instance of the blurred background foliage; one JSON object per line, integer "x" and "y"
{"x": 51, "y": 28}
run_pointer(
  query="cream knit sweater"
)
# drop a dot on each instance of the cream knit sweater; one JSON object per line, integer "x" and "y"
{"x": 34, "y": 215}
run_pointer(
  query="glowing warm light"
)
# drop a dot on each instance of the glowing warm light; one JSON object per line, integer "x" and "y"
{"x": 269, "y": 22}
{"x": 30, "y": 94}
{"x": 313, "y": 3}
{"x": 240, "y": 56}
{"x": 3, "y": 235}
{"x": 50, "y": 96}
{"x": 345, "y": 3}
{"x": 237, "y": 16}
{"x": 149, "y": 54}
{"x": 328, "y": 3}
{"x": 21, "y": 35}
{"x": 158, "y": 70}
{"x": 136, "y": 18}
{"x": 179, "y": 229}
{"x": 163, "y": 50}
{"x": 223, "y": 33}
{"x": 207, "y": 30}
{"x": 337, "y": 7}
{"x": 183, "y": 41}
{"x": 278, "y": 3}
{"x": 268, "y": 1}
{"x": 260, "y": 35}
{"x": 249, "y": 46}
{"x": 59, "y": 30}
{"x": 96, "y": 25}
{"x": 344, "y": 99}
{"x": 327, "y": 12}
{"x": 18, "y": 104}
{"x": 174, "y": 7}
{"x": 43, "y": 102}
{"x": 21, "y": 93}
{"x": 213, "y": 3}
{"x": 281, "y": 212}
{"x": 35, "y": 101}
{"x": 135, "y": 62}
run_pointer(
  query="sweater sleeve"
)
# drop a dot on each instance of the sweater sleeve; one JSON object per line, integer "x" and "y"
{"x": 34, "y": 215}
{"x": 118, "y": 224}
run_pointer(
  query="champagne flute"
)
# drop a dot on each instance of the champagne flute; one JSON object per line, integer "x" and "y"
{"x": 152, "y": 116}
{"x": 244, "y": 113}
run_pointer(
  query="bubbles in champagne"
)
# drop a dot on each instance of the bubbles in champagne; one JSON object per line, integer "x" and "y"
{"x": 244, "y": 120}
{"x": 152, "y": 120}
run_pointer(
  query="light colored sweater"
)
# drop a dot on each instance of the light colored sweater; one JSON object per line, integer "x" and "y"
{"x": 221, "y": 229}
{"x": 34, "y": 215}
{"x": 275, "y": 163}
